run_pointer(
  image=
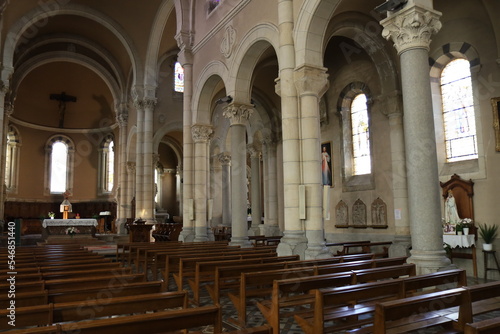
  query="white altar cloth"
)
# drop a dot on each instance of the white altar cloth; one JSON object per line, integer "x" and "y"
{"x": 69, "y": 222}
{"x": 459, "y": 240}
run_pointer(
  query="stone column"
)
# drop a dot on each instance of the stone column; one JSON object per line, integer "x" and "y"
{"x": 311, "y": 83}
{"x": 130, "y": 186}
{"x": 391, "y": 106}
{"x": 185, "y": 57}
{"x": 410, "y": 29}
{"x": 225, "y": 161}
{"x": 123, "y": 201}
{"x": 293, "y": 241}
{"x": 255, "y": 190}
{"x": 148, "y": 208}
{"x": 139, "y": 160}
{"x": 270, "y": 226}
{"x": 238, "y": 116}
{"x": 201, "y": 136}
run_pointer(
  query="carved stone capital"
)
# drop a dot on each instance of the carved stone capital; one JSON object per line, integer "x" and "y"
{"x": 131, "y": 166}
{"x": 390, "y": 104}
{"x": 122, "y": 118}
{"x": 201, "y": 133}
{"x": 311, "y": 80}
{"x": 224, "y": 159}
{"x": 411, "y": 28}
{"x": 238, "y": 113}
{"x": 253, "y": 151}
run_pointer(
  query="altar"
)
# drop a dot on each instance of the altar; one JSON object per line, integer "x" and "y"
{"x": 69, "y": 228}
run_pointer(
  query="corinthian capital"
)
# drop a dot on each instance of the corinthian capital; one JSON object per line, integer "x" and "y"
{"x": 224, "y": 159}
{"x": 411, "y": 28}
{"x": 238, "y": 113}
{"x": 201, "y": 133}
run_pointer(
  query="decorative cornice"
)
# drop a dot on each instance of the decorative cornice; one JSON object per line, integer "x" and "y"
{"x": 238, "y": 114}
{"x": 201, "y": 133}
{"x": 411, "y": 28}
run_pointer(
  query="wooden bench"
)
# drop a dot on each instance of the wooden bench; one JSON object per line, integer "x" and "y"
{"x": 187, "y": 266}
{"x": 366, "y": 248}
{"x": 112, "y": 291}
{"x": 205, "y": 270}
{"x": 488, "y": 326}
{"x": 335, "y": 305}
{"x": 295, "y": 293}
{"x": 423, "y": 311}
{"x": 158, "y": 322}
{"x": 90, "y": 282}
{"x": 26, "y": 299}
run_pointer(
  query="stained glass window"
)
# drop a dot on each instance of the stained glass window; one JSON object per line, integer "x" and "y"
{"x": 212, "y": 4}
{"x": 178, "y": 78}
{"x": 458, "y": 111}
{"x": 59, "y": 167}
{"x": 360, "y": 136}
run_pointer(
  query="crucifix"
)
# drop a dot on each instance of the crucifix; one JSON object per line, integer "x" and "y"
{"x": 62, "y": 98}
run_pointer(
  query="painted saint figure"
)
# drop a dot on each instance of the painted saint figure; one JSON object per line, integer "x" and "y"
{"x": 325, "y": 167}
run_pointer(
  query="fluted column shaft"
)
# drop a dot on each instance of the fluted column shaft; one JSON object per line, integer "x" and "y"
{"x": 410, "y": 29}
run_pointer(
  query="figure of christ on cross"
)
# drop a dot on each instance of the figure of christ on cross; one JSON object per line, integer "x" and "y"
{"x": 62, "y": 98}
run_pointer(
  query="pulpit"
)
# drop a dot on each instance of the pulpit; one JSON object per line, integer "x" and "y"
{"x": 139, "y": 231}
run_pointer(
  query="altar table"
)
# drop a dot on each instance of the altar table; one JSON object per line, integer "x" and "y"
{"x": 463, "y": 241}
{"x": 58, "y": 227}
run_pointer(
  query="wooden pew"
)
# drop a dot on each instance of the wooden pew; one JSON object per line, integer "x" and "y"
{"x": 350, "y": 302}
{"x": 54, "y": 329}
{"x": 26, "y": 299}
{"x": 39, "y": 315}
{"x": 90, "y": 282}
{"x": 60, "y": 274}
{"x": 296, "y": 292}
{"x": 423, "y": 311}
{"x": 158, "y": 322}
{"x": 187, "y": 266}
{"x": 205, "y": 271}
{"x": 488, "y": 326}
{"x": 112, "y": 291}
{"x": 367, "y": 248}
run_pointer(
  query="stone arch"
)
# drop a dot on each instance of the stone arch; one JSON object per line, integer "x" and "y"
{"x": 162, "y": 15}
{"x": 40, "y": 14}
{"x": 246, "y": 56}
{"x": 159, "y": 138}
{"x": 208, "y": 82}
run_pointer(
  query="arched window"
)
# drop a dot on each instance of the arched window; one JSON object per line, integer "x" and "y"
{"x": 12, "y": 159}
{"x": 360, "y": 136}
{"x": 59, "y": 166}
{"x": 354, "y": 108}
{"x": 212, "y": 4}
{"x": 458, "y": 111}
{"x": 178, "y": 77}
{"x": 107, "y": 165}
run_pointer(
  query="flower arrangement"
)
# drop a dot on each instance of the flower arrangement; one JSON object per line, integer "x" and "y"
{"x": 51, "y": 214}
{"x": 72, "y": 231}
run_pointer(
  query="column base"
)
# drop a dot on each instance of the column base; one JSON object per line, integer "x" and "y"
{"x": 120, "y": 226}
{"x": 292, "y": 243}
{"x": 400, "y": 246}
{"x": 270, "y": 230}
{"x": 316, "y": 248}
{"x": 254, "y": 230}
{"x": 187, "y": 234}
{"x": 243, "y": 242}
{"x": 200, "y": 234}
{"x": 430, "y": 261}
